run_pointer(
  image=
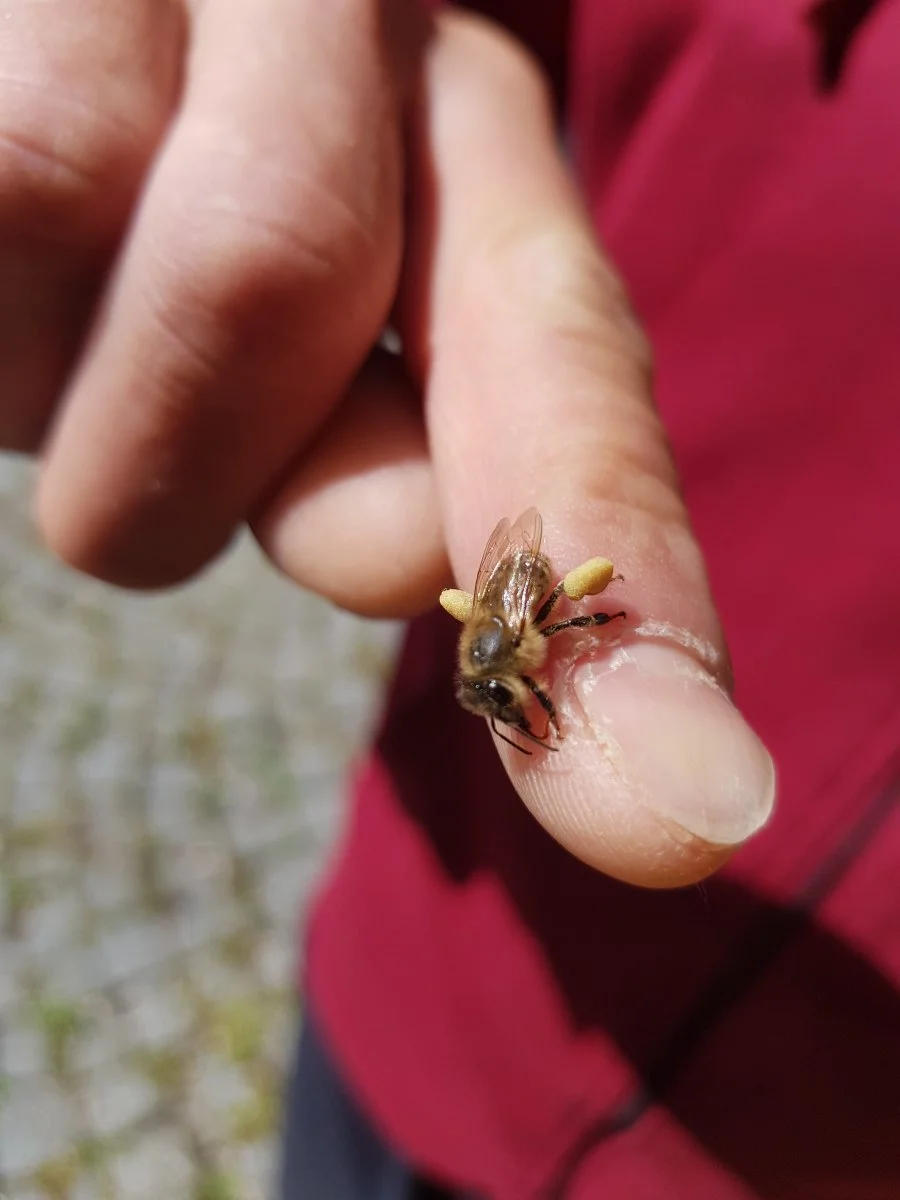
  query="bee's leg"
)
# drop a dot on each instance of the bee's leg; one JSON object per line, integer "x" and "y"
{"x": 525, "y": 730}
{"x": 546, "y": 704}
{"x": 589, "y": 579}
{"x": 509, "y": 741}
{"x": 547, "y": 607}
{"x": 580, "y": 622}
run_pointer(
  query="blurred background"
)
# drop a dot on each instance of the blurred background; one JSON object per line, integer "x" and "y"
{"x": 171, "y": 778}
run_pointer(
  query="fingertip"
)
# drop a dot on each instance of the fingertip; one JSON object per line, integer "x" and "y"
{"x": 659, "y": 779}
{"x": 357, "y": 520}
{"x": 93, "y": 538}
{"x": 475, "y": 48}
{"x": 370, "y": 544}
{"x": 623, "y": 840}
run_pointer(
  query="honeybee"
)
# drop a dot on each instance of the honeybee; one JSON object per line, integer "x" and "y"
{"x": 504, "y": 639}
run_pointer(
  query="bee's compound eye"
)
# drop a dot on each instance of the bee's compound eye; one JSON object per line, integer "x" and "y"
{"x": 498, "y": 692}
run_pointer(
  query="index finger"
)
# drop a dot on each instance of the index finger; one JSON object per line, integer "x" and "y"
{"x": 539, "y": 393}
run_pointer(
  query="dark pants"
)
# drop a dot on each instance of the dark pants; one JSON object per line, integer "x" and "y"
{"x": 331, "y": 1151}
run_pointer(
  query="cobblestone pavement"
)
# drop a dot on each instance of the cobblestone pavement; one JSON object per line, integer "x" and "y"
{"x": 170, "y": 774}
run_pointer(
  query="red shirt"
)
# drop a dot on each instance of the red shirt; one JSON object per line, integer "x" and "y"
{"x": 515, "y": 1022}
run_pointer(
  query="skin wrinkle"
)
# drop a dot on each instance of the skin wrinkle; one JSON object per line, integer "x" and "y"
{"x": 260, "y": 249}
{"x": 636, "y": 492}
{"x": 95, "y": 141}
{"x": 556, "y": 317}
{"x": 638, "y": 459}
{"x": 636, "y": 472}
{"x": 594, "y": 327}
{"x": 48, "y": 193}
{"x": 131, "y": 130}
{"x": 339, "y": 129}
{"x": 212, "y": 331}
{"x": 52, "y": 168}
{"x": 309, "y": 189}
{"x": 267, "y": 238}
{"x": 198, "y": 357}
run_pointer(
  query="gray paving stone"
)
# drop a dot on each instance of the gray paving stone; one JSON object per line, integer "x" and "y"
{"x": 158, "y": 1013}
{"x": 36, "y": 1124}
{"x": 22, "y": 1049}
{"x": 54, "y": 923}
{"x": 282, "y": 1031}
{"x": 135, "y": 948}
{"x": 276, "y": 959}
{"x": 74, "y": 970}
{"x": 253, "y": 1167}
{"x": 80, "y": 1189}
{"x": 15, "y": 960}
{"x": 214, "y": 979}
{"x": 156, "y": 1165}
{"x": 252, "y": 830}
{"x": 286, "y": 885}
{"x": 108, "y": 880}
{"x": 196, "y": 925}
{"x": 216, "y": 1093}
{"x": 171, "y": 775}
{"x": 104, "y": 1039}
{"x": 116, "y": 1099}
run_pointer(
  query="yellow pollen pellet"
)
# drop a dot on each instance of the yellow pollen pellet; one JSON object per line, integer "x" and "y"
{"x": 589, "y": 579}
{"x": 457, "y": 603}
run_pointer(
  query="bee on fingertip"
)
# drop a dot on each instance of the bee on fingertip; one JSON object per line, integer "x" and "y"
{"x": 503, "y": 643}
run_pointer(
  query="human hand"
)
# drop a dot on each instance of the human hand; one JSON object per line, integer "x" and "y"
{"x": 537, "y": 391}
{"x": 208, "y": 196}
{"x": 258, "y": 268}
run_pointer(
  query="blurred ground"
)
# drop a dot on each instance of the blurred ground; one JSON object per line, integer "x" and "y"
{"x": 170, "y": 771}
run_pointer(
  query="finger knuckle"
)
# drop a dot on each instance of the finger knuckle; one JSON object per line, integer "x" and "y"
{"x": 67, "y": 169}
{"x": 247, "y": 253}
{"x": 555, "y": 282}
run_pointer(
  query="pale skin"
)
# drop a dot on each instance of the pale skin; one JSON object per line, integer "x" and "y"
{"x": 201, "y": 227}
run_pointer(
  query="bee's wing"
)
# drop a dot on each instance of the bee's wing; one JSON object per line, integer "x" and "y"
{"x": 510, "y": 569}
{"x": 495, "y": 552}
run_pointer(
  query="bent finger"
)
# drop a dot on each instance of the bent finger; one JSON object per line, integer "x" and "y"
{"x": 258, "y": 273}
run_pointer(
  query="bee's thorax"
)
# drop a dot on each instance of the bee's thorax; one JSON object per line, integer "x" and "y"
{"x": 490, "y": 645}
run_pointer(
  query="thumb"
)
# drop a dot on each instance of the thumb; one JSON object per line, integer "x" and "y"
{"x": 538, "y": 394}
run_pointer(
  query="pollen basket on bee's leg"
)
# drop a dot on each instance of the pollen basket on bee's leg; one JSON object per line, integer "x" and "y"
{"x": 589, "y": 579}
{"x": 457, "y": 603}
